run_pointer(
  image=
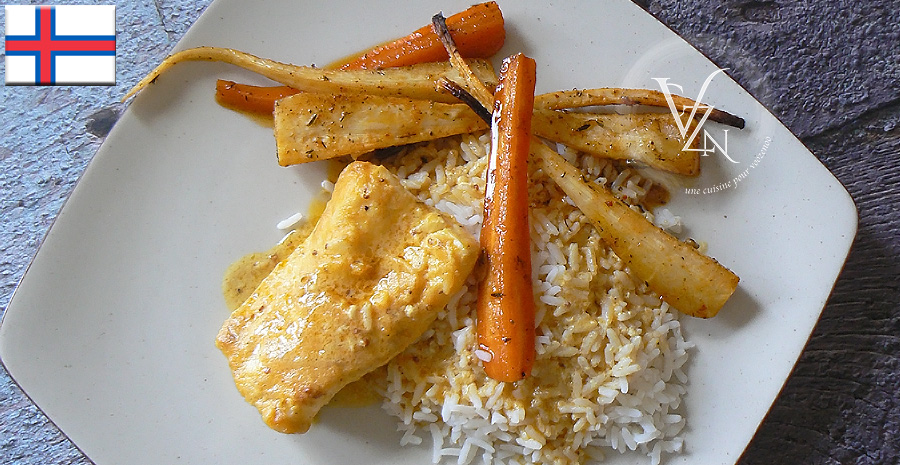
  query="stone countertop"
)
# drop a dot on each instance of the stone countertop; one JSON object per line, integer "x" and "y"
{"x": 830, "y": 70}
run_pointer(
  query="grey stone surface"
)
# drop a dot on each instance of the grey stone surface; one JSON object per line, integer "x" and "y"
{"x": 47, "y": 137}
{"x": 829, "y": 70}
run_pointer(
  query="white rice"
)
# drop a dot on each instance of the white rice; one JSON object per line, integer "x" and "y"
{"x": 609, "y": 372}
{"x": 290, "y": 222}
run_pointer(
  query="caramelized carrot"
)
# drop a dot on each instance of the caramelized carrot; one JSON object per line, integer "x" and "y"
{"x": 253, "y": 99}
{"x": 477, "y": 31}
{"x": 505, "y": 305}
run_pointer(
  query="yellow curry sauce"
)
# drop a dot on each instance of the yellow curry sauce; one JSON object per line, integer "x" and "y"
{"x": 242, "y": 277}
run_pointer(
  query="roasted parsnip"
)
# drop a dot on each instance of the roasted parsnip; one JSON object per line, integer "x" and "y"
{"x": 650, "y": 138}
{"x": 416, "y": 81}
{"x": 579, "y": 98}
{"x": 688, "y": 280}
{"x": 312, "y": 126}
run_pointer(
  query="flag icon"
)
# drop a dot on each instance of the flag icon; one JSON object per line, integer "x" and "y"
{"x": 60, "y": 45}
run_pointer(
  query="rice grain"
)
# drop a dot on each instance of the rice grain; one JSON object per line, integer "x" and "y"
{"x": 610, "y": 367}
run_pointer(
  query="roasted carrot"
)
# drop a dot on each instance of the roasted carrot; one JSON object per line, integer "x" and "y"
{"x": 477, "y": 31}
{"x": 505, "y": 304}
{"x": 253, "y": 99}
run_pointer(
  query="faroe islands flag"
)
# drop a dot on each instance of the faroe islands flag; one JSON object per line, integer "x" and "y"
{"x": 64, "y": 44}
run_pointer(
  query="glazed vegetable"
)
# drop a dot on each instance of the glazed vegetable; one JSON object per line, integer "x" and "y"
{"x": 473, "y": 84}
{"x": 650, "y": 138}
{"x": 468, "y": 99}
{"x": 253, "y": 99}
{"x": 579, "y": 98}
{"x": 416, "y": 81}
{"x": 477, "y": 31}
{"x": 312, "y": 126}
{"x": 688, "y": 280}
{"x": 691, "y": 282}
{"x": 505, "y": 304}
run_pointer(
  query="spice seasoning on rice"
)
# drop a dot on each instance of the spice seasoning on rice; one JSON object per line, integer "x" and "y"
{"x": 609, "y": 370}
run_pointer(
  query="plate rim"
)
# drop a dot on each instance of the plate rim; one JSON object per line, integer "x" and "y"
{"x": 210, "y": 11}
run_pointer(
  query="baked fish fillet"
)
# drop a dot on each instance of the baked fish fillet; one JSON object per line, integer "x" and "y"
{"x": 367, "y": 282}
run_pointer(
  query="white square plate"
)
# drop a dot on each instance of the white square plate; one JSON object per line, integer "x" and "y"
{"x": 111, "y": 330}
